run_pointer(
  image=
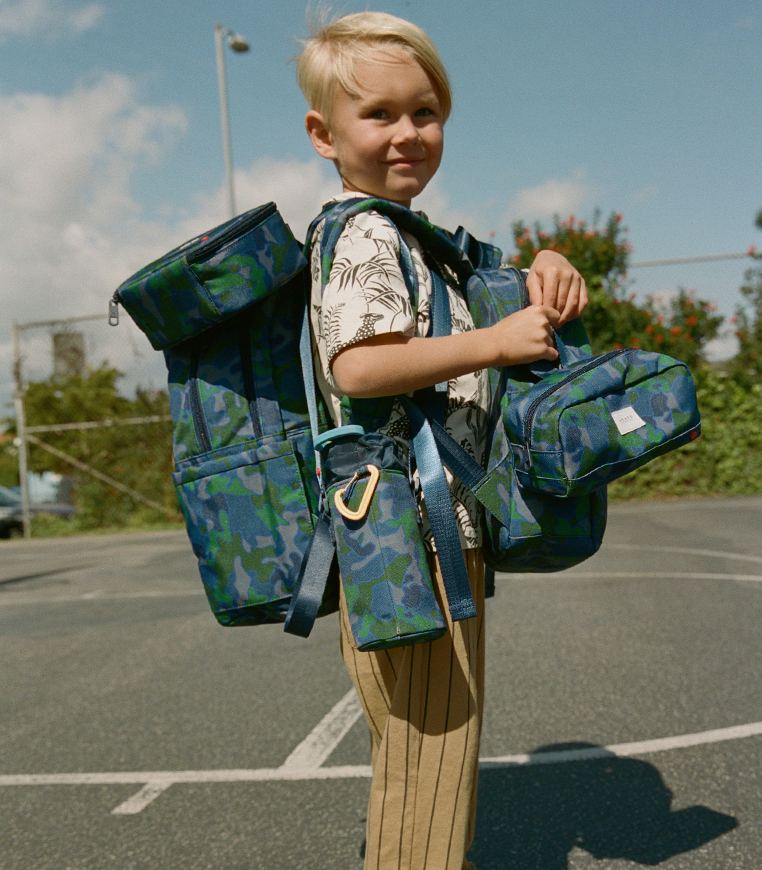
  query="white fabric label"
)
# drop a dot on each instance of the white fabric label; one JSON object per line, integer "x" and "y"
{"x": 627, "y": 420}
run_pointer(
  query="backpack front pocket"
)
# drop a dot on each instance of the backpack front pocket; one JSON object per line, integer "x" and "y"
{"x": 249, "y": 523}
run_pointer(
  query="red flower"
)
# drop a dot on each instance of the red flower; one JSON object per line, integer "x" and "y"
{"x": 675, "y": 330}
{"x": 650, "y": 328}
{"x": 659, "y": 337}
{"x": 692, "y": 320}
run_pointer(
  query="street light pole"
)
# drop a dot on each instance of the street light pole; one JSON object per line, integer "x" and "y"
{"x": 238, "y": 44}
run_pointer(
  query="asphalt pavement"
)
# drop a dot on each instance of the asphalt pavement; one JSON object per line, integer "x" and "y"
{"x": 623, "y": 720}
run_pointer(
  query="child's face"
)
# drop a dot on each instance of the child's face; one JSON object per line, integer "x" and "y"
{"x": 388, "y": 141}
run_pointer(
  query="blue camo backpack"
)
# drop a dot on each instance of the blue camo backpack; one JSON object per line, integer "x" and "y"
{"x": 228, "y": 310}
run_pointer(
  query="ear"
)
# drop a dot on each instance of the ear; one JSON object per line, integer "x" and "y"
{"x": 320, "y": 135}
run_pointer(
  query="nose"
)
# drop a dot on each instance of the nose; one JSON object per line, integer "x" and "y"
{"x": 405, "y": 130}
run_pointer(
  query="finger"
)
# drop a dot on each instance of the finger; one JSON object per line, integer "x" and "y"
{"x": 534, "y": 287}
{"x": 583, "y": 298}
{"x": 552, "y": 316}
{"x": 551, "y": 353}
{"x": 568, "y": 307}
{"x": 566, "y": 282}
{"x": 550, "y": 287}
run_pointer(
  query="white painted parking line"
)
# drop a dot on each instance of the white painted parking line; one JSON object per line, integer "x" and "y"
{"x": 686, "y": 551}
{"x": 318, "y": 745}
{"x": 138, "y": 802}
{"x": 572, "y": 574}
{"x": 14, "y": 598}
{"x": 156, "y": 782}
{"x": 624, "y": 750}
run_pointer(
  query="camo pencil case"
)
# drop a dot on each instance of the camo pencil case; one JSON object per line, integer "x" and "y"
{"x": 589, "y": 422}
{"x": 383, "y": 562}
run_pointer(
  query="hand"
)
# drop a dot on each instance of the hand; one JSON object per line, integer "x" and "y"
{"x": 526, "y": 336}
{"x": 555, "y": 283}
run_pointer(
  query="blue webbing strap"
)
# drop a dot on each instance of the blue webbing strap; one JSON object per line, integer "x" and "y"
{"x": 441, "y": 318}
{"x": 436, "y": 496}
{"x": 310, "y": 585}
{"x": 458, "y": 460}
{"x": 318, "y": 558}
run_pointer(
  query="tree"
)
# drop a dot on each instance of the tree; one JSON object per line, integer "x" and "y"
{"x": 747, "y": 365}
{"x": 614, "y": 318}
{"x": 138, "y": 456}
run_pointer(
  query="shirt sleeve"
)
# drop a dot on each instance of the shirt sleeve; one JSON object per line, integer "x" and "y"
{"x": 366, "y": 293}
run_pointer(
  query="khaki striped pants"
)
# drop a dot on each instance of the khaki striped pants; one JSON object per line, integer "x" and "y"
{"x": 423, "y": 704}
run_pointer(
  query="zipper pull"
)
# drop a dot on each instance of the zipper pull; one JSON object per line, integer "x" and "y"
{"x": 528, "y": 454}
{"x": 113, "y": 312}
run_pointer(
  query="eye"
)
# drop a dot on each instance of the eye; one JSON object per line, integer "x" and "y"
{"x": 378, "y": 114}
{"x": 424, "y": 112}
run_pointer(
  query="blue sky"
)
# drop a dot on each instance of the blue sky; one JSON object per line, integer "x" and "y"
{"x": 110, "y": 145}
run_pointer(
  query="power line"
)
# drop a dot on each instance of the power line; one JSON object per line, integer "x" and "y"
{"x": 677, "y": 261}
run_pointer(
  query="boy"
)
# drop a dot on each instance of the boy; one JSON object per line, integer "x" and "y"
{"x": 379, "y": 97}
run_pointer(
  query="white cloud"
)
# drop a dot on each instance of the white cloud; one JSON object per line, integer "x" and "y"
{"x": 555, "y": 196}
{"x": 299, "y": 189}
{"x": 69, "y": 229}
{"x": 31, "y": 17}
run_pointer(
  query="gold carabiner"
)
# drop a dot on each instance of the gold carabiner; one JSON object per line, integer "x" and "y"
{"x": 364, "y": 505}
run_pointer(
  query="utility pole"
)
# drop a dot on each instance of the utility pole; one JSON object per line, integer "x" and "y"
{"x": 22, "y": 436}
{"x": 21, "y": 439}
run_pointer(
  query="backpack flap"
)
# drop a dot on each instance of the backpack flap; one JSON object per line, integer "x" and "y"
{"x": 212, "y": 277}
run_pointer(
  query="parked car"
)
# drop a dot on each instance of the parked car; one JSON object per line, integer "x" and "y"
{"x": 11, "y": 515}
{"x": 11, "y": 524}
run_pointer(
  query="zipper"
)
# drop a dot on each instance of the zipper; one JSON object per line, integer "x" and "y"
{"x": 236, "y": 227}
{"x": 247, "y": 367}
{"x": 199, "y": 423}
{"x": 113, "y": 311}
{"x": 580, "y": 370}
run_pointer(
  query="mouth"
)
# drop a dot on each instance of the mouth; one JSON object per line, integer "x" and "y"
{"x": 405, "y": 162}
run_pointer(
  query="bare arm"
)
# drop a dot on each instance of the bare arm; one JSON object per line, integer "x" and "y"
{"x": 389, "y": 364}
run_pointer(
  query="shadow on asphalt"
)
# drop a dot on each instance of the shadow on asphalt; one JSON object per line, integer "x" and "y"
{"x": 530, "y": 817}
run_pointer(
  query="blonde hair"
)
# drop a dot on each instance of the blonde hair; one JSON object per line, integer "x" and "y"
{"x": 332, "y": 51}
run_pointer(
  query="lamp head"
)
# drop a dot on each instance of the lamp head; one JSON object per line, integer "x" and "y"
{"x": 237, "y": 42}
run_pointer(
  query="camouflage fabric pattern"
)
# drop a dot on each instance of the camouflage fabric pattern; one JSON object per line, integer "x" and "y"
{"x": 383, "y": 563}
{"x": 565, "y": 440}
{"x": 527, "y": 531}
{"x": 536, "y": 532}
{"x": 384, "y": 569}
{"x": 249, "y": 524}
{"x": 244, "y": 458}
{"x": 212, "y": 277}
{"x": 245, "y": 469}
